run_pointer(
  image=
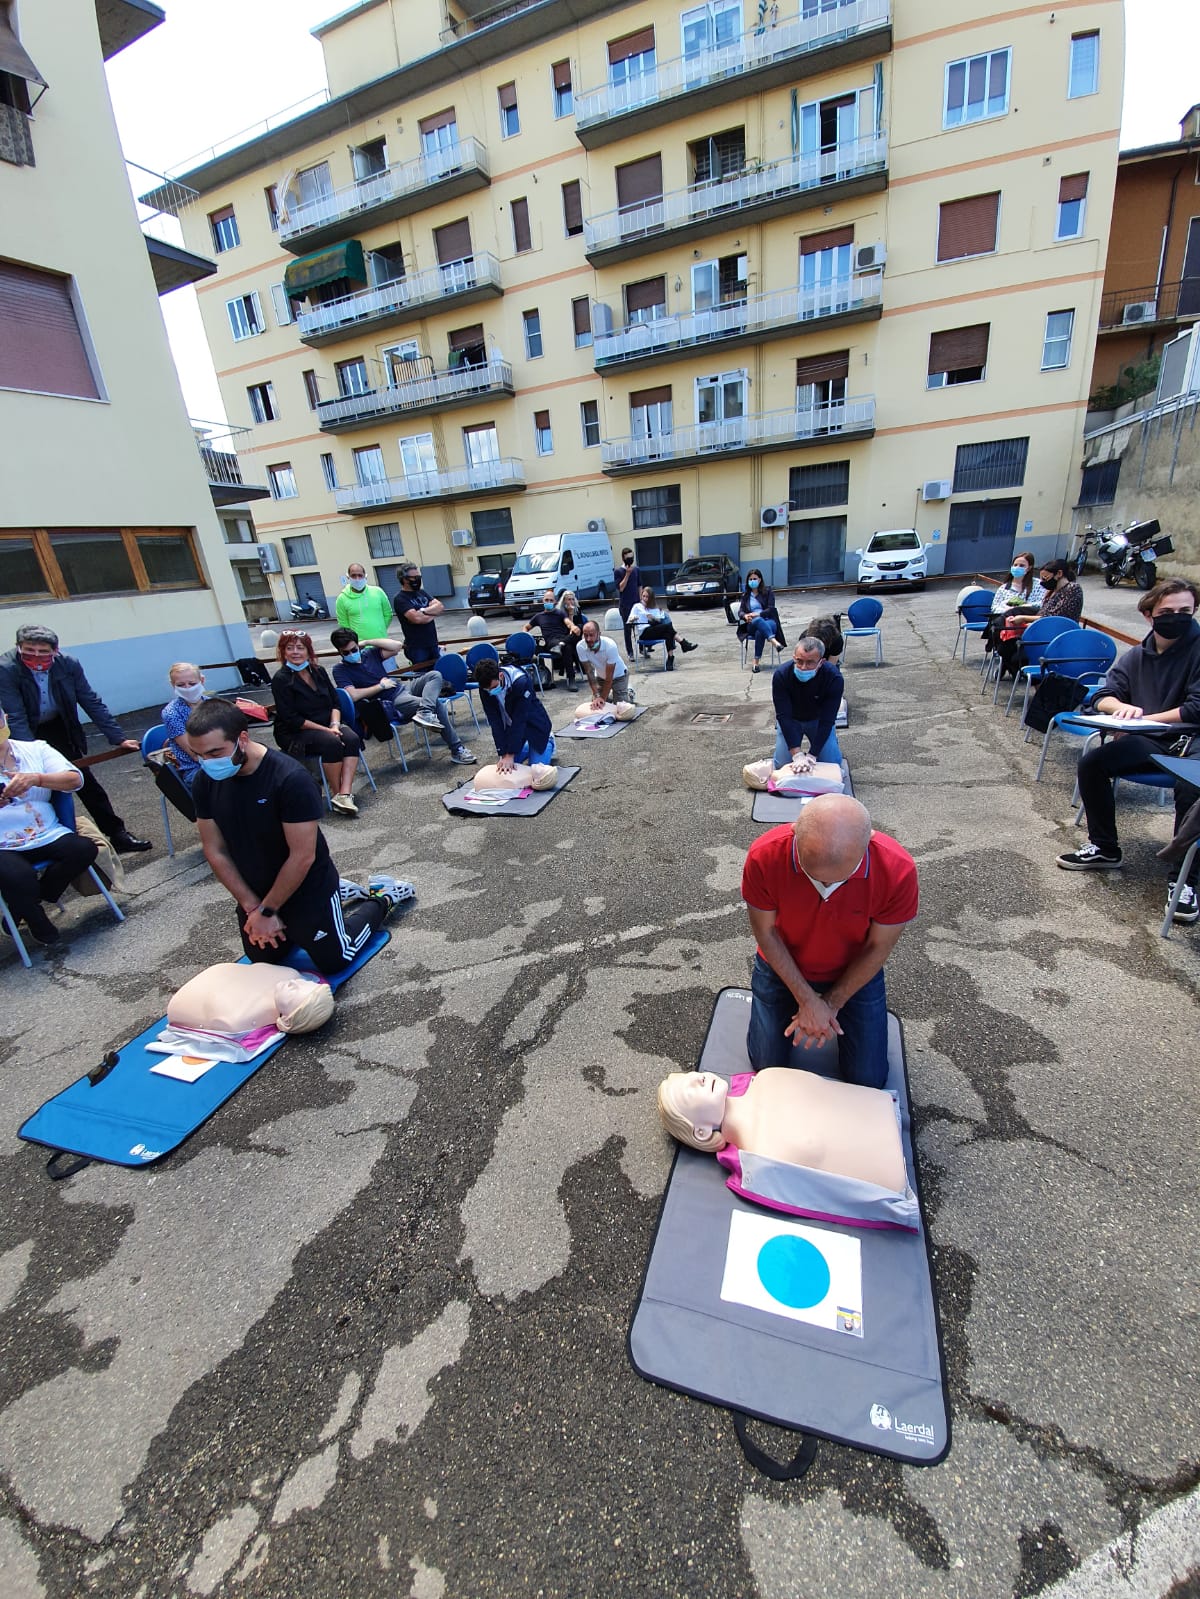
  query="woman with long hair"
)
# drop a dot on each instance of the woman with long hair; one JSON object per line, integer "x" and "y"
{"x": 757, "y": 617}
{"x": 308, "y": 719}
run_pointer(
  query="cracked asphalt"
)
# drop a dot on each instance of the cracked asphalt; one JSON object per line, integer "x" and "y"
{"x": 364, "y": 1333}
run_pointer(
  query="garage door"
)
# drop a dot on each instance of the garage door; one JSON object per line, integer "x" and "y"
{"x": 981, "y": 535}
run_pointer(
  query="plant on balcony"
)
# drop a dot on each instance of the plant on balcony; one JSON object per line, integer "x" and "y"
{"x": 1133, "y": 382}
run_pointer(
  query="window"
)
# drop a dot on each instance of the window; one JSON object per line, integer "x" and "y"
{"x": 958, "y": 355}
{"x": 237, "y": 530}
{"x": 262, "y": 402}
{"x": 71, "y": 563}
{"x": 582, "y": 319}
{"x": 271, "y": 196}
{"x": 466, "y": 346}
{"x": 967, "y": 227}
{"x": 821, "y": 391}
{"x": 560, "y": 78}
{"x": 1072, "y": 204}
{"x": 639, "y": 184}
{"x": 481, "y": 446}
{"x": 281, "y": 300}
{"x": 94, "y": 562}
{"x": 1084, "y": 75}
{"x": 299, "y": 551}
{"x": 646, "y": 300}
{"x": 44, "y": 348}
{"x": 311, "y": 391}
{"x": 533, "y": 334}
{"x": 522, "y": 239}
{"x": 329, "y": 472}
{"x": 650, "y": 412}
{"x": 384, "y": 541}
{"x": 976, "y": 87}
{"x": 1056, "y": 346}
{"x": 492, "y": 527}
{"x": 385, "y": 264}
{"x": 418, "y": 460}
{"x": 438, "y": 132}
{"x": 709, "y": 26}
{"x": 630, "y": 59}
{"x": 719, "y": 156}
{"x": 369, "y": 159}
{"x": 314, "y": 183}
{"x": 813, "y": 486}
{"x": 543, "y": 438}
{"x": 572, "y": 203}
{"x": 245, "y": 316}
{"x": 352, "y": 377}
{"x": 589, "y": 422}
{"x": 660, "y": 507}
{"x": 1099, "y": 483}
{"x": 223, "y": 226}
{"x": 997, "y": 465}
{"x": 369, "y": 466}
{"x": 281, "y": 481}
{"x": 17, "y": 74}
{"x": 510, "y": 121}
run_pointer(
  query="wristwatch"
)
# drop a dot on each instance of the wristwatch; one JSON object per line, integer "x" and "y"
{"x": 267, "y": 910}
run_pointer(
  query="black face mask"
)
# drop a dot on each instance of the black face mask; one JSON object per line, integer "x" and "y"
{"x": 1172, "y": 625}
{"x": 414, "y": 580}
{"x": 629, "y": 560}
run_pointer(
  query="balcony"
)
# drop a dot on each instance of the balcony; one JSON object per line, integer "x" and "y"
{"x": 403, "y": 300}
{"x": 158, "y": 202}
{"x": 433, "y": 488}
{"x": 1158, "y": 305}
{"x": 846, "y": 421}
{"x": 429, "y": 391}
{"x": 222, "y": 469}
{"x": 755, "y": 194}
{"x": 397, "y": 192}
{"x": 767, "y": 59}
{"x": 757, "y": 320}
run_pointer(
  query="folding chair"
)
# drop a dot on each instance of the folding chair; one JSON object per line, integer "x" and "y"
{"x": 973, "y": 613}
{"x": 1032, "y": 646}
{"x": 167, "y": 781}
{"x": 520, "y": 650}
{"x": 64, "y": 809}
{"x": 455, "y": 682}
{"x": 863, "y": 616}
{"x": 1084, "y": 655}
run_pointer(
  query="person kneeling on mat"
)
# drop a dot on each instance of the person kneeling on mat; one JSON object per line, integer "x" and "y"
{"x": 515, "y": 715}
{"x": 827, "y": 899}
{"x": 603, "y": 667}
{"x": 258, "y": 813}
{"x": 807, "y": 695}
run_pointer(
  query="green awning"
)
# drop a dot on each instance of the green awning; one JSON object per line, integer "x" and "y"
{"x": 326, "y": 266}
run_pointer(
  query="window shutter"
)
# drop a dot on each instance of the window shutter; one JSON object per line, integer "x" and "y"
{"x": 522, "y": 238}
{"x": 508, "y": 96}
{"x": 14, "y": 58}
{"x": 823, "y": 368}
{"x": 453, "y": 242}
{"x": 644, "y": 296}
{"x": 560, "y": 72}
{"x": 639, "y": 182}
{"x": 632, "y": 44}
{"x": 283, "y": 306}
{"x": 954, "y": 349}
{"x": 439, "y": 119}
{"x": 968, "y": 227}
{"x": 1073, "y": 188}
{"x": 541, "y": 420}
{"x": 42, "y": 346}
{"x": 572, "y": 200}
{"x": 659, "y": 396}
{"x": 466, "y": 338}
{"x": 832, "y": 239}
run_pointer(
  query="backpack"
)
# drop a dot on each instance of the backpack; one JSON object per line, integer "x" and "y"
{"x": 1055, "y": 694}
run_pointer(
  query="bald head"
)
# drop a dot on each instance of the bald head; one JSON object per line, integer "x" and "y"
{"x": 832, "y": 833}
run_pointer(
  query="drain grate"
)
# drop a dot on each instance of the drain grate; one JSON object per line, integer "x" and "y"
{"x": 710, "y": 719}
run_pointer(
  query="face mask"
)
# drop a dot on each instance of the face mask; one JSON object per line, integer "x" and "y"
{"x": 753, "y": 582}
{"x": 353, "y": 656}
{"x": 297, "y": 666}
{"x": 497, "y": 692}
{"x": 629, "y": 560}
{"x": 547, "y": 605}
{"x": 358, "y": 584}
{"x": 1172, "y": 624}
{"x": 592, "y": 646}
{"x": 37, "y": 663}
{"x": 219, "y": 767}
{"x": 414, "y": 582}
{"x": 1017, "y": 571}
{"x": 190, "y": 693}
{"x": 804, "y": 674}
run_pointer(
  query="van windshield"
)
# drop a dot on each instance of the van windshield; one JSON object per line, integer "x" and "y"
{"x": 884, "y": 543}
{"x": 536, "y": 563}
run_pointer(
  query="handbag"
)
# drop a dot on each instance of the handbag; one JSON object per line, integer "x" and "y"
{"x": 1055, "y": 694}
{"x": 252, "y": 710}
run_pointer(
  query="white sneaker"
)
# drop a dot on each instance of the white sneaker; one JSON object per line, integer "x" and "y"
{"x": 464, "y": 757}
{"x": 349, "y": 892}
{"x": 392, "y": 891}
{"x": 1188, "y": 908}
{"x": 426, "y": 719}
{"x": 344, "y": 804}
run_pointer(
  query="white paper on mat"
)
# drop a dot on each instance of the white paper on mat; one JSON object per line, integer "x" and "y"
{"x": 184, "y": 1068}
{"x": 768, "y": 1257}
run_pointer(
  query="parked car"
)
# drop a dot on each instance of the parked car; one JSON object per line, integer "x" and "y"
{"x": 705, "y": 580}
{"x": 486, "y": 590}
{"x": 895, "y": 555}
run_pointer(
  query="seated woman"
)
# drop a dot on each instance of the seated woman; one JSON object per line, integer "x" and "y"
{"x": 757, "y": 616}
{"x": 235, "y": 999}
{"x": 30, "y": 832}
{"x": 516, "y": 716}
{"x": 573, "y": 611}
{"x": 187, "y": 681}
{"x": 652, "y": 622}
{"x": 1024, "y": 589}
{"x": 308, "y": 721}
{"x": 1061, "y": 596}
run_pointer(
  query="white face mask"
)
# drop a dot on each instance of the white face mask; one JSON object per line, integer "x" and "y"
{"x": 358, "y": 584}
{"x": 190, "y": 693}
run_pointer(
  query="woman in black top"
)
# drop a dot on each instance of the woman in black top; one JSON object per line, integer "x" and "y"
{"x": 757, "y": 617}
{"x": 308, "y": 719}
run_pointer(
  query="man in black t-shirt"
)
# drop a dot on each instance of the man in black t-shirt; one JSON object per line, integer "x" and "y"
{"x": 415, "y": 611}
{"x": 559, "y": 634}
{"x": 258, "y": 812}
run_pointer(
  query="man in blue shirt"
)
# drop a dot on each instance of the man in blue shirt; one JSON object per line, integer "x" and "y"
{"x": 517, "y": 717}
{"x": 416, "y": 612}
{"x": 380, "y": 700}
{"x": 807, "y": 694}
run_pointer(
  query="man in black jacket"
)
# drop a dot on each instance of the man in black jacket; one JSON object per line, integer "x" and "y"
{"x": 41, "y": 691}
{"x": 1159, "y": 678}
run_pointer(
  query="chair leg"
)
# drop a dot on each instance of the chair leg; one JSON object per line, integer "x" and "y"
{"x": 14, "y": 933}
{"x": 1045, "y": 745}
{"x": 366, "y": 766}
{"x": 162, "y": 800}
{"x": 325, "y": 786}
{"x": 879, "y": 649}
{"x": 1012, "y": 693}
{"x": 1181, "y": 877}
{"x": 108, "y": 899}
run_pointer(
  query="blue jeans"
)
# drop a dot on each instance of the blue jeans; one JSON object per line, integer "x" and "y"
{"x": 831, "y": 752}
{"x": 761, "y": 629}
{"x": 537, "y": 757}
{"x": 861, "y": 1050}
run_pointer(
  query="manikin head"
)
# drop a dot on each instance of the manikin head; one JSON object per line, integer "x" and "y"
{"x": 691, "y": 1107}
{"x": 302, "y": 1005}
{"x": 832, "y": 833}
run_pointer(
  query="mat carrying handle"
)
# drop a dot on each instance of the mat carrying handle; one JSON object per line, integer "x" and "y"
{"x": 777, "y": 1470}
{"x": 99, "y": 1073}
{"x": 65, "y": 1164}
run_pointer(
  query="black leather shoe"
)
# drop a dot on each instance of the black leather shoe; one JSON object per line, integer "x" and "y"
{"x": 125, "y": 844}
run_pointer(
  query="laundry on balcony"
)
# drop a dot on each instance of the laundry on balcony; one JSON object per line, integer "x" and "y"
{"x": 338, "y": 262}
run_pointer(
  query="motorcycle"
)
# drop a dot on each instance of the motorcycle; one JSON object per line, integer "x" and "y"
{"x": 1133, "y": 553}
{"x": 308, "y": 611}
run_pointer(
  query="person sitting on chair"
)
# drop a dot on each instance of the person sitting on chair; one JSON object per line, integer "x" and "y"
{"x": 559, "y": 635}
{"x": 807, "y": 694}
{"x": 187, "y": 681}
{"x": 1061, "y": 596}
{"x": 652, "y": 622}
{"x": 381, "y": 700}
{"x": 308, "y": 719}
{"x": 31, "y": 831}
{"x": 758, "y": 617}
{"x": 603, "y": 667}
{"x": 235, "y": 999}
{"x": 520, "y": 727}
{"x": 570, "y": 607}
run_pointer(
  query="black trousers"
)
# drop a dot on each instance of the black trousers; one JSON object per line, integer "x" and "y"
{"x": 563, "y": 658}
{"x": 20, "y": 885}
{"x": 330, "y": 933}
{"x": 1118, "y": 757}
{"x": 653, "y": 631}
{"x": 328, "y": 747}
{"x": 92, "y": 796}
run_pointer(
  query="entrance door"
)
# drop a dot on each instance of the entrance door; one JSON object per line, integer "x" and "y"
{"x": 721, "y": 411}
{"x": 309, "y": 587}
{"x": 980, "y": 535}
{"x": 1189, "y": 289}
{"x": 419, "y": 460}
{"x": 816, "y": 550}
{"x": 658, "y": 558}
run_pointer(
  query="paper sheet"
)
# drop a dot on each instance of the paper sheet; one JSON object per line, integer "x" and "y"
{"x": 793, "y": 1270}
{"x": 184, "y": 1068}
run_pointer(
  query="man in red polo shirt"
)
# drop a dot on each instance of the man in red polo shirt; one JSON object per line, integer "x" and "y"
{"x": 828, "y": 899}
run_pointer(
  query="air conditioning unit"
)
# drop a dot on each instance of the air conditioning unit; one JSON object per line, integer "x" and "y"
{"x": 773, "y": 515}
{"x": 461, "y": 536}
{"x": 597, "y": 524}
{"x": 268, "y": 558}
{"x": 936, "y": 488}
{"x": 1139, "y": 311}
{"x": 868, "y": 256}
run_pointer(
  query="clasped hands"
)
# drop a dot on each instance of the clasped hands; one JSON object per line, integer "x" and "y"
{"x": 803, "y": 765}
{"x": 265, "y": 932}
{"x": 815, "y": 1022}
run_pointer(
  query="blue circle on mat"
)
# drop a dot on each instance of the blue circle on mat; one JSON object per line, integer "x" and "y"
{"x": 794, "y": 1272}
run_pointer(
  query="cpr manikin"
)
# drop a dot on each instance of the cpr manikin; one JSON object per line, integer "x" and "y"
{"x": 237, "y": 999}
{"x": 488, "y": 779}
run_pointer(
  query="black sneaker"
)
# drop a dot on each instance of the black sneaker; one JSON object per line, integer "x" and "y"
{"x": 670, "y": 663}
{"x": 687, "y": 646}
{"x": 1188, "y": 908}
{"x": 1090, "y": 859}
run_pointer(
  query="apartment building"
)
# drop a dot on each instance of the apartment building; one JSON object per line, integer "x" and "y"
{"x": 719, "y": 277}
{"x": 108, "y": 531}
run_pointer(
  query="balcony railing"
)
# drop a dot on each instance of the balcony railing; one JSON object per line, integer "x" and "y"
{"x": 429, "y": 391}
{"x": 739, "y": 320}
{"x": 749, "y": 190}
{"x": 421, "y": 487}
{"x": 392, "y": 302}
{"x": 725, "y": 64}
{"x": 217, "y": 444}
{"x": 1123, "y": 309}
{"x": 741, "y": 435}
{"x": 406, "y": 187}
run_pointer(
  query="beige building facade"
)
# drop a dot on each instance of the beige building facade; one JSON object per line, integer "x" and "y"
{"x": 730, "y": 277}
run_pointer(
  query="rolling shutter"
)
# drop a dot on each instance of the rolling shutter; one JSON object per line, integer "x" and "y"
{"x": 572, "y": 200}
{"x": 659, "y": 396}
{"x": 631, "y": 44}
{"x": 832, "y": 239}
{"x": 522, "y": 238}
{"x": 639, "y": 182}
{"x": 453, "y": 242}
{"x": 42, "y": 347}
{"x": 968, "y": 227}
{"x": 957, "y": 349}
{"x": 823, "y": 368}
{"x": 1073, "y": 188}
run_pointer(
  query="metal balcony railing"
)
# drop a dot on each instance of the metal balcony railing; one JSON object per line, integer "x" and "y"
{"x": 1159, "y": 302}
{"x": 462, "y": 383}
{"x": 406, "y": 178}
{"x": 758, "y": 314}
{"x": 753, "y": 186}
{"x": 687, "y": 74}
{"x": 762, "y": 431}
{"x": 423, "y": 288}
{"x": 217, "y": 443}
{"x": 487, "y": 477}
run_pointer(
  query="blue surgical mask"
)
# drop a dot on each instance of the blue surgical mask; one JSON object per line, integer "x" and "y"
{"x": 358, "y": 584}
{"x": 547, "y": 605}
{"x": 353, "y": 656}
{"x": 497, "y": 692}
{"x": 804, "y": 675}
{"x": 294, "y": 667}
{"x": 219, "y": 767}
{"x": 1017, "y": 571}
{"x": 753, "y": 582}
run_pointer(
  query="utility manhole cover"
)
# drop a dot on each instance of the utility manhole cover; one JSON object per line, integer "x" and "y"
{"x": 710, "y": 719}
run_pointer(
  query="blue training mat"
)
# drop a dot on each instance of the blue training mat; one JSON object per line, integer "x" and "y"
{"x": 132, "y": 1116}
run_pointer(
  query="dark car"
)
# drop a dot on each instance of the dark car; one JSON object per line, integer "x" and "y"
{"x": 486, "y": 591}
{"x": 705, "y": 580}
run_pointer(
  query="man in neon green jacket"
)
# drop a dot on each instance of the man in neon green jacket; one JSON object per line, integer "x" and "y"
{"x": 363, "y": 607}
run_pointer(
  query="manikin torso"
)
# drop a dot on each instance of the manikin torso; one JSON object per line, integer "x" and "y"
{"x": 236, "y": 999}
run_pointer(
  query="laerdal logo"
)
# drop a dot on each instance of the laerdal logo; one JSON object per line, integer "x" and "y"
{"x": 915, "y": 1431}
{"x": 143, "y": 1153}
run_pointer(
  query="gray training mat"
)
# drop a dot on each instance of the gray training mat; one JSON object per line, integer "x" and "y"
{"x": 609, "y": 730}
{"x": 537, "y": 801}
{"x": 776, "y": 808}
{"x": 869, "y": 1375}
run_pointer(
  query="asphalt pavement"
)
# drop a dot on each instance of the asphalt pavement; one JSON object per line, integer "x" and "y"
{"x": 364, "y": 1333}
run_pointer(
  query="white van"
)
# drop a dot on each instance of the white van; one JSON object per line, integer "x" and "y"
{"x": 579, "y": 561}
{"x": 895, "y": 555}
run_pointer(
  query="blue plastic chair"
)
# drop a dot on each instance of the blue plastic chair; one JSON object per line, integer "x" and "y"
{"x": 1086, "y": 656}
{"x": 152, "y": 741}
{"x": 863, "y": 616}
{"x": 1032, "y": 646}
{"x": 481, "y": 652}
{"x": 973, "y": 615}
{"x": 1162, "y": 781}
{"x": 64, "y": 809}
{"x": 346, "y": 706}
{"x": 455, "y": 682}
{"x": 650, "y": 645}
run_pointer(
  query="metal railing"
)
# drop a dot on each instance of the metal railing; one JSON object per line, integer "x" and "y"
{"x": 410, "y": 394}
{"x": 742, "y": 433}
{"x": 159, "y": 202}
{"x": 499, "y": 474}
{"x": 407, "y": 177}
{"x": 423, "y": 288}
{"x": 754, "y": 185}
{"x": 754, "y": 315}
{"x": 217, "y": 443}
{"x": 685, "y": 74}
{"x": 1158, "y": 302}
